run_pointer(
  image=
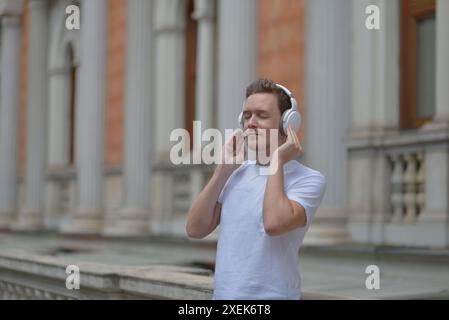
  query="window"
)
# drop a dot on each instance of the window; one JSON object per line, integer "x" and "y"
{"x": 417, "y": 62}
{"x": 72, "y": 102}
{"x": 190, "y": 71}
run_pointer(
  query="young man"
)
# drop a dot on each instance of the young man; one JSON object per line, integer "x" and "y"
{"x": 263, "y": 218}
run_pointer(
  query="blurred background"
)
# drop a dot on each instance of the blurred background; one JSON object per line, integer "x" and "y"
{"x": 86, "y": 116}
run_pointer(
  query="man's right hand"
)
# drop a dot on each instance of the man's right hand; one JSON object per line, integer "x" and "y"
{"x": 233, "y": 151}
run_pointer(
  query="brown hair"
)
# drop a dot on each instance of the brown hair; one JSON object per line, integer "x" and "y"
{"x": 268, "y": 86}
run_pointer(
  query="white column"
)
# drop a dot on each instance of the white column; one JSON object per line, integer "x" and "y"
{"x": 90, "y": 119}
{"x": 327, "y": 100}
{"x": 32, "y": 215}
{"x": 170, "y": 72}
{"x": 375, "y": 69}
{"x": 60, "y": 81}
{"x": 59, "y": 108}
{"x": 134, "y": 216}
{"x": 9, "y": 109}
{"x": 205, "y": 62}
{"x": 237, "y": 57}
{"x": 375, "y": 109}
{"x": 442, "y": 63}
{"x": 436, "y": 210}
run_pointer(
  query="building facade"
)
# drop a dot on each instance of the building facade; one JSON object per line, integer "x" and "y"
{"x": 86, "y": 115}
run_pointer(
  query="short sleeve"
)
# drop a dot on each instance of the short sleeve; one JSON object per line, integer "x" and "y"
{"x": 308, "y": 192}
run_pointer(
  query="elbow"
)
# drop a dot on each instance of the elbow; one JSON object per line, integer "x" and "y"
{"x": 195, "y": 236}
{"x": 191, "y": 230}
{"x": 271, "y": 228}
{"x": 271, "y": 221}
{"x": 192, "y": 233}
{"x": 272, "y": 231}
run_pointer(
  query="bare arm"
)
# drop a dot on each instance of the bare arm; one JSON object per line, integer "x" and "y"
{"x": 280, "y": 214}
{"x": 204, "y": 214}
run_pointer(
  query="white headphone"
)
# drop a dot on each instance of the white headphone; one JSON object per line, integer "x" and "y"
{"x": 290, "y": 117}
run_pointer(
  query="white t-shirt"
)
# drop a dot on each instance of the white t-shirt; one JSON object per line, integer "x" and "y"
{"x": 251, "y": 264}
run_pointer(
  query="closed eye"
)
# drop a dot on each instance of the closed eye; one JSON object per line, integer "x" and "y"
{"x": 262, "y": 115}
{"x": 247, "y": 115}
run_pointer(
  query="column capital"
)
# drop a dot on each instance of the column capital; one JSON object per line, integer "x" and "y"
{"x": 11, "y": 7}
{"x": 32, "y": 4}
{"x": 204, "y": 9}
{"x": 169, "y": 16}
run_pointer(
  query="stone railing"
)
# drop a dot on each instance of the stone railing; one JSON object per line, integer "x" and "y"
{"x": 398, "y": 187}
{"x": 407, "y": 185}
{"x": 61, "y": 193}
{"x": 25, "y": 276}
{"x": 175, "y": 188}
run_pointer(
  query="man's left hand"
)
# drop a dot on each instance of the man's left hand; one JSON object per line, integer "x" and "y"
{"x": 290, "y": 150}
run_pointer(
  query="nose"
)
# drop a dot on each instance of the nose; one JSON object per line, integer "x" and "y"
{"x": 252, "y": 122}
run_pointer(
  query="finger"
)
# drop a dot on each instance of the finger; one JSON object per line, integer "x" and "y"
{"x": 238, "y": 133}
{"x": 298, "y": 143}
{"x": 249, "y": 132}
{"x": 239, "y": 136}
{"x": 235, "y": 136}
{"x": 289, "y": 135}
{"x": 295, "y": 137}
{"x": 229, "y": 141}
{"x": 239, "y": 143}
{"x": 300, "y": 147}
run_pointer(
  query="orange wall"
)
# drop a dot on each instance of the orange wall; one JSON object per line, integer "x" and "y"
{"x": 281, "y": 44}
{"x": 115, "y": 81}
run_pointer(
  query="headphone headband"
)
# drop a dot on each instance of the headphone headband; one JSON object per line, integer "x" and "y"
{"x": 290, "y": 95}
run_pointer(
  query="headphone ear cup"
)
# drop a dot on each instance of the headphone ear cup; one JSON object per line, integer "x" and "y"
{"x": 281, "y": 124}
{"x": 290, "y": 118}
{"x": 240, "y": 120}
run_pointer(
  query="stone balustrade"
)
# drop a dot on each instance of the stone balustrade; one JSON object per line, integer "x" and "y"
{"x": 41, "y": 277}
{"x": 175, "y": 188}
{"x": 398, "y": 187}
{"x": 407, "y": 185}
{"x": 24, "y": 276}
